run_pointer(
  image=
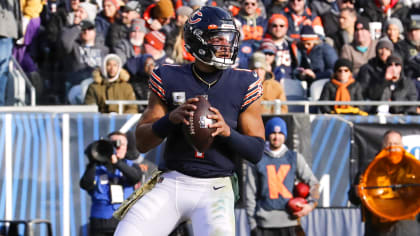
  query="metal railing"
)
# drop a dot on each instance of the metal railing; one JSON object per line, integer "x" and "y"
{"x": 121, "y": 103}
{"x": 277, "y": 104}
{"x": 17, "y": 72}
{"x": 10, "y": 227}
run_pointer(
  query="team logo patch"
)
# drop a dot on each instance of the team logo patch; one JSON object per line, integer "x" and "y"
{"x": 205, "y": 122}
{"x": 178, "y": 97}
{"x": 195, "y": 18}
{"x": 277, "y": 129}
{"x": 246, "y": 49}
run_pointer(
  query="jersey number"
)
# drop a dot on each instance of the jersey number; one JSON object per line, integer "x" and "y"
{"x": 275, "y": 181}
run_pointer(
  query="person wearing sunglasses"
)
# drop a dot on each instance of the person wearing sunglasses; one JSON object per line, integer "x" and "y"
{"x": 277, "y": 32}
{"x": 314, "y": 58}
{"x": 253, "y": 24}
{"x": 342, "y": 87}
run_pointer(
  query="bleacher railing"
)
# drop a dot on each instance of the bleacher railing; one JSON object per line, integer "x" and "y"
{"x": 18, "y": 74}
{"x": 277, "y": 104}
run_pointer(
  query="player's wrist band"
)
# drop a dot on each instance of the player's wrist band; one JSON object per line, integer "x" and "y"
{"x": 163, "y": 126}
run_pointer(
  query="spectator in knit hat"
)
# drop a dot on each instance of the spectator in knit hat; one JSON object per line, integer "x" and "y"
{"x": 253, "y": 25}
{"x": 393, "y": 30}
{"x": 394, "y": 87}
{"x": 342, "y": 87}
{"x": 362, "y": 48}
{"x": 107, "y": 16}
{"x": 173, "y": 29}
{"x": 315, "y": 59}
{"x": 132, "y": 46}
{"x": 120, "y": 29}
{"x": 277, "y": 31}
{"x": 373, "y": 71}
{"x": 159, "y": 14}
{"x": 409, "y": 48}
{"x": 272, "y": 88}
{"x": 154, "y": 43}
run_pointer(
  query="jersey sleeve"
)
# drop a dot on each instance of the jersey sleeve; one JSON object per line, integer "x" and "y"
{"x": 156, "y": 84}
{"x": 254, "y": 91}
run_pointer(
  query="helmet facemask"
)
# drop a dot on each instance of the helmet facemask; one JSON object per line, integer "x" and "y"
{"x": 219, "y": 47}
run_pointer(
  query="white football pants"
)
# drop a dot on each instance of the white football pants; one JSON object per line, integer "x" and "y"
{"x": 208, "y": 202}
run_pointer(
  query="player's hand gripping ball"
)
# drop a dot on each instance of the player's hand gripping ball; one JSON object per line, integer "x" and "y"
{"x": 198, "y": 131}
{"x": 295, "y": 204}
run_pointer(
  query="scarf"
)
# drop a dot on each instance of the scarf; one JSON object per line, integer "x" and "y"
{"x": 342, "y": 93}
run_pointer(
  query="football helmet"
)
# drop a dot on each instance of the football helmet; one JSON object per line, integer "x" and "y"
{"x": 212, "y": 37}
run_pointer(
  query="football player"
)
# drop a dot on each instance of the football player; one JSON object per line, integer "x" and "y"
{"x": 197, "y": 186}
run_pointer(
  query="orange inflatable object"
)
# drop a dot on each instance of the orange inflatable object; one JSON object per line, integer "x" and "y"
{"x": 390, "y": 186}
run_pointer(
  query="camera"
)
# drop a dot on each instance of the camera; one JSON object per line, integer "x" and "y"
{"x": 101, "y": 150}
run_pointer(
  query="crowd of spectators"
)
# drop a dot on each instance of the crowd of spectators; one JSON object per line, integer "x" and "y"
{"x": 64, "y": 44}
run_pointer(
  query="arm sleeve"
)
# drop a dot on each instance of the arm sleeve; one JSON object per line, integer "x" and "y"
{"x": 156, "y": 84}
{"x": 249, "y": 147}
{"x": 132, "y": 173}
{"x": 330, "y": 56}
{"x": 254, "y": 90}
{"x": 304, "y": 173}
{"x": 251, "y": 195}
{"x": 90, "y": 97}
{"x": 87, "y": 182}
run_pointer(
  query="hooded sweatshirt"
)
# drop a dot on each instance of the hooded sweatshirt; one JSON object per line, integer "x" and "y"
{"x": 105, "y": 88}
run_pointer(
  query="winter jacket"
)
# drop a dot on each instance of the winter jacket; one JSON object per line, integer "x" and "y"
{"x": 273, "y": 90}
{"x": 371, "y": 73}
{"x": 329, "y": 92}
{"x": 117, "y": 31}
{"x": 125, "y": 50}
{"x": 10, "y": 19}
{"x": 102, "y": 24}
{"x": 320, "y": 60}
{"x": 102, "y": 89}
{"x": 358, "y": 58}
{"x": 403, "y": 89}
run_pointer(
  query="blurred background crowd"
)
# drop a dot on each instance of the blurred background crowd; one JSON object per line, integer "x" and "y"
{"x": 90, "y": 51}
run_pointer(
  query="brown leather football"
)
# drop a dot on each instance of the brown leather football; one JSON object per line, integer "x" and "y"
{"x": 197, "y": 132}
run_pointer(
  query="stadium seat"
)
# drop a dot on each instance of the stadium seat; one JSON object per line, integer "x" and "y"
{"x": 296, "y": 108}
{"x": 293, "y": 87}
{"x": 316, "y": 89}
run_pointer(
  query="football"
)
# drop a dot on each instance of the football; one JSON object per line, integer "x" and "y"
{"x": 301, "y": 190}
{"x": 292, "y": 204}
{"x": 198, "y": 132}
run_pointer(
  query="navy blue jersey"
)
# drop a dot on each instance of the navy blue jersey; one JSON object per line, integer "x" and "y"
{"x": 231, "y": 95}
